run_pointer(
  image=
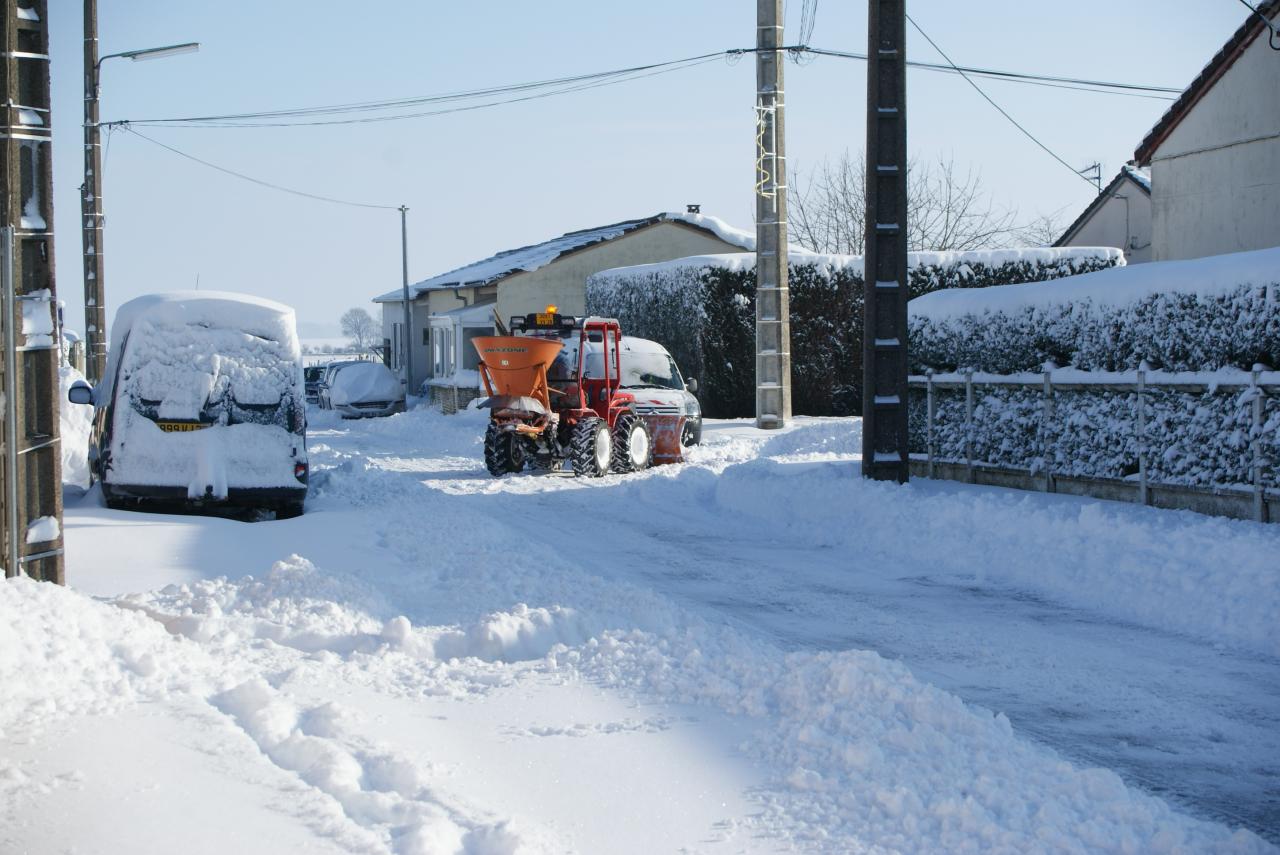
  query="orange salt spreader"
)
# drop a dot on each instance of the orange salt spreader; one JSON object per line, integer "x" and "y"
{"x": 544, "y": 411}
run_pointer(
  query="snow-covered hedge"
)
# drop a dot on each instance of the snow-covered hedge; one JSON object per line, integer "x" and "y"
{"x": 703, "y": 310}
{"x": 1189, "y": 438}
{"x": 1215, "y": 318}
{"x": 1198, "y": 315}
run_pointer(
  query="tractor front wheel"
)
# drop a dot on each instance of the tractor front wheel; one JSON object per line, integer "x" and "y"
{"x": 503, "y": 452}
{"x": 590, "y": 448}
{"x": 632, "y": 445}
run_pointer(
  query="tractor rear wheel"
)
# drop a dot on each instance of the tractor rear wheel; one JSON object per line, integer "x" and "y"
{"x": 503, "y": 452}
{"x": 632, "y": 445}
{"x": 590, "y": 448}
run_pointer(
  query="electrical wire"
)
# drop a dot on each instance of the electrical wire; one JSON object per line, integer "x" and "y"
{"x": 257, "y": 181}
{"x": 1271, "y": 36}
{"x": 557, "y": 86}
{"x": 1001, "y": 110}
{"x": 1101, "y": 87}
{"x": 312, "y": 116}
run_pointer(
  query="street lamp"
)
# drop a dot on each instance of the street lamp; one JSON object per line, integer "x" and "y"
{"x": 95, "y": 312}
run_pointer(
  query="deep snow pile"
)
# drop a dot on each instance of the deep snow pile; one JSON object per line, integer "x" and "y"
{"x": 427, "y": 593}
{"x": 75, "y": 423}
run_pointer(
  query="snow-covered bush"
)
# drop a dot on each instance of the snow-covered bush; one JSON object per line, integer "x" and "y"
{"x": 1190, "y": 438}
{"x": 703, "y": 310}
{"x": 1214, "y": 317}
{"x": 1195, "y": 315}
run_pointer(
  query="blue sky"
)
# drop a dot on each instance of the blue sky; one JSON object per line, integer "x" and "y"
{"x": 484, "y": 181}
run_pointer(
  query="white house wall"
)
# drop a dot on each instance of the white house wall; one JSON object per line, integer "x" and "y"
{"x": 1113, "y": 225}
{"x": 1216, "y": 180}
{"x": 563, "y": 283}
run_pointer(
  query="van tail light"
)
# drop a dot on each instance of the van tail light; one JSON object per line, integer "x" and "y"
{"x": 300, "y": 472}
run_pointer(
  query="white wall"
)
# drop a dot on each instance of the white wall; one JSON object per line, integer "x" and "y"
{"x": 1120, "y": 222}
{"x": 1216, "y": 180}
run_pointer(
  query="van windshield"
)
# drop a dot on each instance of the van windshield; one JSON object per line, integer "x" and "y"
{"x": 640, "y": 369}
{"x": 192, "y": 372}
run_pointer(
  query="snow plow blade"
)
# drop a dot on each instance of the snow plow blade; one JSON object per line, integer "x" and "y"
{"x": 665, "y": 432}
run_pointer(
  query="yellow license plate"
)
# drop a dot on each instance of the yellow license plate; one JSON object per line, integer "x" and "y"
{"x": 545, "y": 319}
{"x": 180, "y": 427}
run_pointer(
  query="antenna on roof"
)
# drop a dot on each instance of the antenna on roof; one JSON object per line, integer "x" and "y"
{"x": 1093, "y": 172}
{"x": 693, "y": 209}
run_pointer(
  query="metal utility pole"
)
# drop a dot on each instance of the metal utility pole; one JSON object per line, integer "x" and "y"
{"x": 95, "y": 309}
{"x": 32, "y": 518}
{"x": 773, "y": 305}
{"x": 406, "y": 343}
{"x": 884, "y": 330}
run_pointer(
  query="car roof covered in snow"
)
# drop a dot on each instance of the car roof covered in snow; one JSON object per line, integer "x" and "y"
{"x": 223, "y": 309}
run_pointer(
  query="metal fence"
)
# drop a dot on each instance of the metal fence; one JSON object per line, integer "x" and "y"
{"x": 1250, "y": 501}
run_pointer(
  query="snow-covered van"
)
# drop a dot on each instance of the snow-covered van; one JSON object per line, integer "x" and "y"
{"x": 650, "y": 373}
{"x": 202, "y": 402}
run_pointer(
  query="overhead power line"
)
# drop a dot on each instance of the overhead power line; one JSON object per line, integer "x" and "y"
{"x": 1102, "y": 87}
{"x": 1000, "y": 109}
{"x": 359, "y": 112}
{"x": 259, "y": 181}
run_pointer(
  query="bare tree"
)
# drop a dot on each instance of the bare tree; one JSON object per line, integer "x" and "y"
{"x": 947, "y": 210}
{"x": 1042, "y": 230}
{"x": 360, "y": 326}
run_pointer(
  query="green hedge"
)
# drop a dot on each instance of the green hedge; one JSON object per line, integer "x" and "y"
{"x": 703, "y": 310}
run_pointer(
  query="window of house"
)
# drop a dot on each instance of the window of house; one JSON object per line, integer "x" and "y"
{"x": 397, "y": 346}
{"x": 470, "y": 356}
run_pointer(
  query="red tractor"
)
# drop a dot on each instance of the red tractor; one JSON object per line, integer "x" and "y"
{"x": 547, "y": 406}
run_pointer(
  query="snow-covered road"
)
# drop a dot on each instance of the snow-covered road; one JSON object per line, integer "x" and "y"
{"x": 708, "y": 657}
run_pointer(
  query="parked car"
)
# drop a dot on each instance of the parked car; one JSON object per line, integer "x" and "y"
{"x": 202, "y": 403}
{"x": 363, "y": 390}
{"x": 650, "y": 373}
{"x": 327, "y": 373}
{"x": 311, "y": 376}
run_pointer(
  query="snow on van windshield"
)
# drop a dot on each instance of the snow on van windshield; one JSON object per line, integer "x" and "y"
{"x": 640, "y": 369}
{"x": 179, "y": 368}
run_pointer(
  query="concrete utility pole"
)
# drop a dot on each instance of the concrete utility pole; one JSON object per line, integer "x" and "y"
{"x": 95, "y": 308}
{"x": 884, "y": 330}
{"x": 32, "y": 517}
{"x": 406, "y": 340}
{"x": 773, "y": 305}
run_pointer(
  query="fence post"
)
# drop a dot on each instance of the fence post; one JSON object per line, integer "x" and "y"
{"x": 1141, "y": 403}
{"x": 928, "y": 386}
{"x": 1259, "y": 505}
{"x": 968, "y": 424}
{"x": 1046, "y": 423}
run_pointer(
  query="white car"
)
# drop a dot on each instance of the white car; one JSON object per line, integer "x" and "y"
{"x": 650, "y": 373}
{"x": 202, "y": 403}
{"x": 363, "y": 390}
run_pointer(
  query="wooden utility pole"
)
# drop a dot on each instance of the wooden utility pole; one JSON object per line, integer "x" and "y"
{"x": 32, "y": 527}
{"x": 773, "y": 305}
{"x": 884, "y": 331}
{"x": 95, "y": 304}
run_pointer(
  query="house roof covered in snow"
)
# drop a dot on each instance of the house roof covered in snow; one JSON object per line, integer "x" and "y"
{"x": 1208, "y": 76}
{"x": 1127, "y": 174}
{"x": 539, "y": 255}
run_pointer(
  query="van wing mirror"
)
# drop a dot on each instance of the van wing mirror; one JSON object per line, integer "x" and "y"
{"x": 80, "y": 393}
{"x": 692, "y": 385}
